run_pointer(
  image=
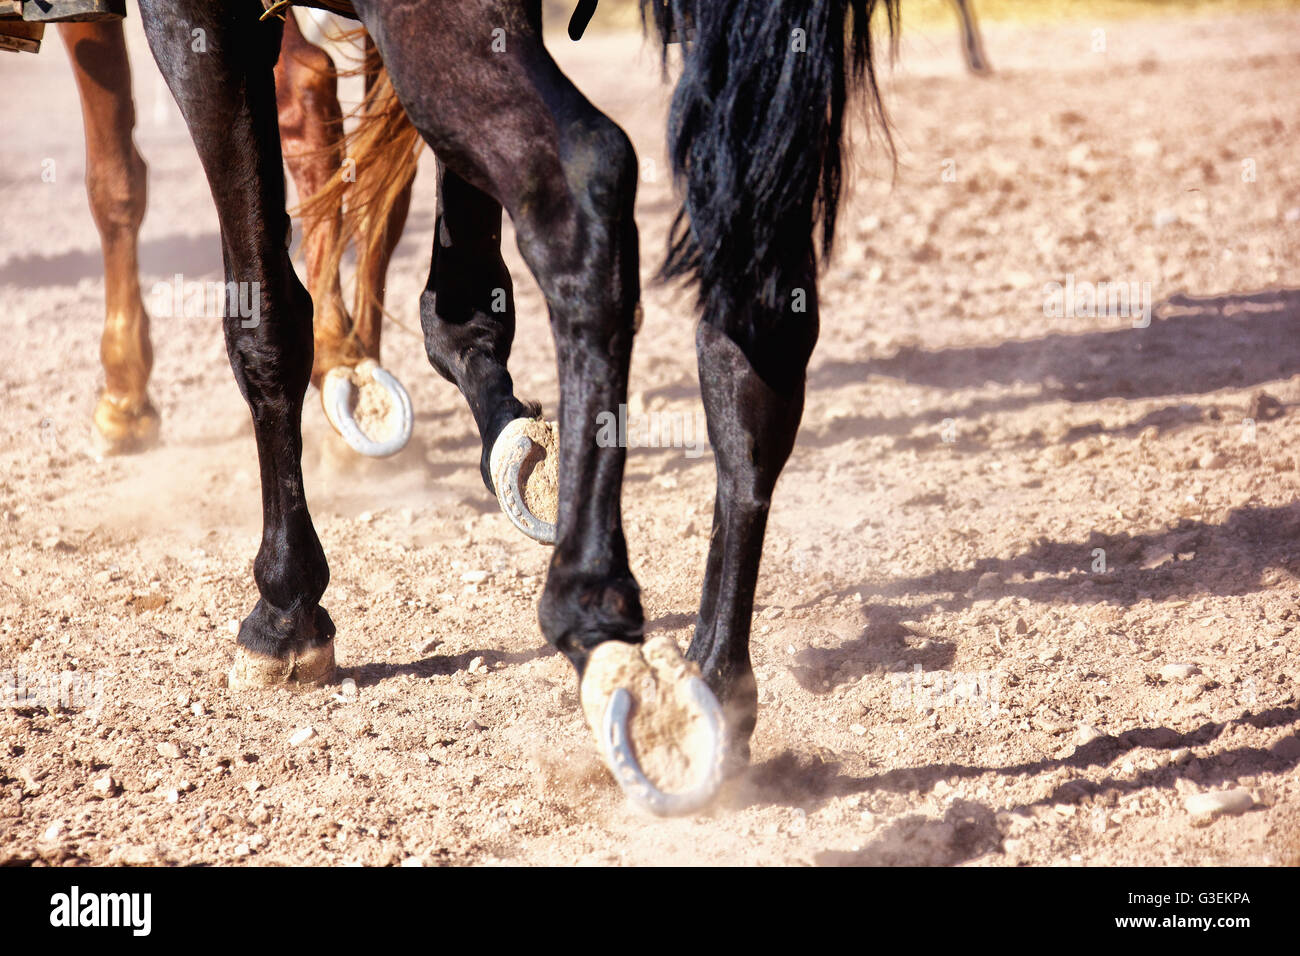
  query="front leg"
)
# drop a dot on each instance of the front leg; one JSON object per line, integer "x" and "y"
{"x": 227, "y": 97}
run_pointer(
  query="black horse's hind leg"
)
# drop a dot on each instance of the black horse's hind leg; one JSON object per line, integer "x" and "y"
{"x": 467, "y": 309}
{"x": 752, "y": 382}
{"x": 227, "y": 96}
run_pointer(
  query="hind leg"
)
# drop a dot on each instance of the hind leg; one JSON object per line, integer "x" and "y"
{"x": 125, "y": 419}
{"x": 752, "y": 381}
{"x": 972, "y": 43}
{"x": 229, "y": 106}
{"x": 311, "y": 123}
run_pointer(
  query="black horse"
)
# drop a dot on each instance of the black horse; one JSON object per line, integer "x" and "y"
{"x": 755, "y": 137}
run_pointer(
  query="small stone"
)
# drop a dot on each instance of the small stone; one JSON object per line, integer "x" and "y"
{"x": 173, "y": 796}
{"x": 1180, "y": 756}
{"x": 52, "y": 832}
{"x": 1020, "y": 627}
{"x": 1212, "y": 460}
{"x": 348, "y": 688}
{"x": 243, "y": 850}
{"x": 104, "y": 784}
{"x": 1204, "y": 807}
{"x": 1173, "y": 672}
{"x": 857, "y": 729}
{"x": 1050, "y": 654}
{"x": 1148, "y": 655}
{"x": 1165, "y": 217}
{"x": 1086, "y": 734}
{"x": 413, "y": 861}
{"x": 169, "y": 750}
{"x": 476, "y": 576}
{"x": 301, "y": 736}
{"x": 260, "y": 815}
{"x": 988, "y": 581}
{"x": 476, "y": 665}
{"x": 196, "y": 709}
{"x": 256, "y": 841}
{"x": 253, "y": 786}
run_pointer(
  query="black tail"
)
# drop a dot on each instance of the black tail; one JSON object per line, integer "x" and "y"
{"x": 756, "y": 135}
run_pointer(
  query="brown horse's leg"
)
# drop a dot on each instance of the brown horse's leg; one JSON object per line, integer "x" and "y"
{"x": 115, "y": 182}
{"x": 311, "y": 128}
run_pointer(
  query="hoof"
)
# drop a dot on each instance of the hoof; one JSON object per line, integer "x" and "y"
{"x": 368, "y": 407}
{"x": 525, "y": 473}
{"x": 659, "y": 727}
{"x": 124, "y": 426}
{"x": 308, "y": 668}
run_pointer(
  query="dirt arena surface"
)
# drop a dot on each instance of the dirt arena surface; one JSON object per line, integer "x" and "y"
{"x": 1045, "y": 513}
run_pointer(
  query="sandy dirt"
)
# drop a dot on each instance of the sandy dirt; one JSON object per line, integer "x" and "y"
{"x": 947, "y": 674}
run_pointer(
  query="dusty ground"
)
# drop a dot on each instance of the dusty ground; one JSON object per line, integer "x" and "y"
{"x": 962, "y": 458}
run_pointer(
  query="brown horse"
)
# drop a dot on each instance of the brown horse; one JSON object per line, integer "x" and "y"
{"x": 347, "y": 346}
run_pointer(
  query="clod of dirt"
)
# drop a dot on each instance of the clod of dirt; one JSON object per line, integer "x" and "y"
{"x": 1204, "y": 807}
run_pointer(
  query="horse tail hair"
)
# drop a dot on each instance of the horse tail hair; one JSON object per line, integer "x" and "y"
{"x": 382, "y": 153}
{"x": 756, "y": 137}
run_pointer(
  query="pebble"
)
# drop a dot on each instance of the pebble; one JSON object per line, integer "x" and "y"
{"x": 243, "y": 850}
{"x": 1165, "y": 217}
{"x": 1204, "y": 807}
{"x": 253, "y": 786}
{"x": 52, "y": 832}
{"x": 412, "y": 861}
{"x": 1086, "y": 734}
{"x": 476, "y": 576}
{"x": 301, "y": 736}
{"x": 988, "y": 581}
{"x": 857, "y": 729}
{"x": 103, "y": 784}
{"x": 260, "y": 815}
{"x": 1180, "y": 756}
{"x": 348, "y": 688}
{"x": 169, "y": 750}
{"x": 1172, "y": 672}
{"x": 173, "y": 796}
{"x": 1212, "y": 460}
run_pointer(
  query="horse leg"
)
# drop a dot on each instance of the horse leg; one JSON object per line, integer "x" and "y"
{"x": 751, "y": 369}
{"x": 311, "y": 124}
{"x": 512, "y": 125}
{"x": 125, "y": 419}
{"x": 228, "y": 100}
{"x": 972, "y": 43}
{"x": 467, "y": 309}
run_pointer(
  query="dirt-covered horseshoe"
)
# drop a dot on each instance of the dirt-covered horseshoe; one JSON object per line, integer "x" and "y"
{"x": 509, "y": 452}
{"x": 338, "y": 390}
{"x": 623, "y": 763}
